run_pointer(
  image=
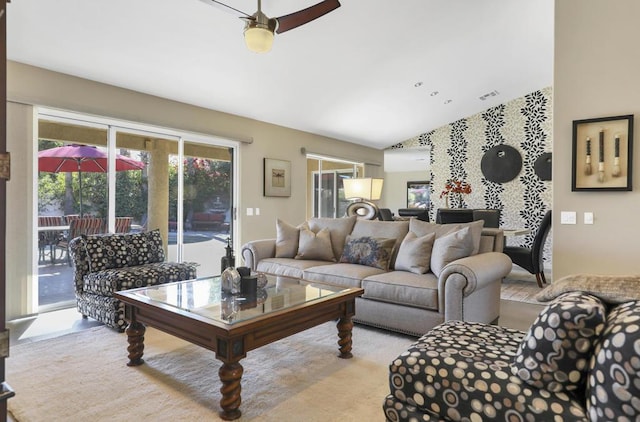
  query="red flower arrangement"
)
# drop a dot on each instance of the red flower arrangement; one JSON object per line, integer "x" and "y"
{"x": 456, "y": 186}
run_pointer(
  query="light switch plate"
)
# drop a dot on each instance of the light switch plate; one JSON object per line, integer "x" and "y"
{"x": 249, "y": 211}
{"x": 568, "y": 217}
{"x": 588, "y": 218}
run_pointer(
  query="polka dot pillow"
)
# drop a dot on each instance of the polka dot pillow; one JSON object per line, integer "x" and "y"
{"x": 554, "y": 355}
{"x": 613, "y": 387}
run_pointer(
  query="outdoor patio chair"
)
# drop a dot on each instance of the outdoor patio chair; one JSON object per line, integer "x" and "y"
{"x": 47, "y": 239}
{"x": 123, "y": 224}
{"x": 79, "y": 227}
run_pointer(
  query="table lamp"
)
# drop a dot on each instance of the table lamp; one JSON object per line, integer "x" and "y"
{"x": 363, "y": 190}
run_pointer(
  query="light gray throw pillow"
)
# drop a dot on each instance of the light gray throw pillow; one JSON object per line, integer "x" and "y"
{"x": 420, "y": 228}
{"x": 414, "y": 254}
{"x": 287, "y": 237}
{"x": 339, "y": 228}
{"x": 315, "y": 245}
{"x": 450, "y": 247}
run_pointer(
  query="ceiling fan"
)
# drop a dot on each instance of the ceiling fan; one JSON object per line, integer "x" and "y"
{"x": 259, "y": 28}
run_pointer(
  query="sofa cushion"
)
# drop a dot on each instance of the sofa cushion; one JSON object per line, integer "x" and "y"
{"x": 316, "y": 246}
{"x": 349, "y": 275}
{"x": 287, "y": 237}
{"x": 403, "y": 288}
{"x": 421, "y": 228}
{"x": 613, "y": 385}
{"x": 106, "y": 282}
{"x": 450, "y": 247}
{"x": 555, "y": 353}
{"x": 289, "y": 267}
{"x": 461, "y": 370}
{"x": 339, "y": 228}
{"x": 370, "y": 251}
{"x": 414, "y": 254}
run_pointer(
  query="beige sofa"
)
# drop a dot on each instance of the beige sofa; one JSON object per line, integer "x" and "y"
{"x": 415, "y": 274}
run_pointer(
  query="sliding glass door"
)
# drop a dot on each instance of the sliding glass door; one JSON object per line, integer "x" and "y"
{"x": 203, "y": 224}
{"x": 326, "y": 178}
{"x": 72, "y": 200}
{"x": 147, "y": 178}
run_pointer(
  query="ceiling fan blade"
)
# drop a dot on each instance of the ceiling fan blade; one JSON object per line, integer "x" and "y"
{"x": 227, "y": 8}
{"x": 294, "y": 20}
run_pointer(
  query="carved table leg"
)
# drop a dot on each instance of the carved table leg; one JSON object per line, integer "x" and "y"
{"x": 135, "y": 337}
{"x": 345, "y": 325}
{"x": 230, "y": 375}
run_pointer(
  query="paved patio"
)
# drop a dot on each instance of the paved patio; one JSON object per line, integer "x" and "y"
{"x": 55, "y": 284}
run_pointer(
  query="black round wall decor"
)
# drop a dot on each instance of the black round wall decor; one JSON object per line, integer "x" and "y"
{"x": 501, "y": 163}
{"x": 542, "y": 166}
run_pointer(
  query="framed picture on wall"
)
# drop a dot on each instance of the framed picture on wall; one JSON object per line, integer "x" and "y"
{"x": 418, "y": 194}
{"x": 602, "y": 154}
{"x": 277, "y": 177}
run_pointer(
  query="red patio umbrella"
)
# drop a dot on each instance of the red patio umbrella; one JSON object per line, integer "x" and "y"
{"x": 82, "y": 158}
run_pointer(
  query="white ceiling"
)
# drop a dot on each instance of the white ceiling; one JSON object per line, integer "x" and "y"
{"x": 350, "y": 74}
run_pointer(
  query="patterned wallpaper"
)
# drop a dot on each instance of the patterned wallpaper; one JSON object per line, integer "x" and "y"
{"x": 457, "y": 149}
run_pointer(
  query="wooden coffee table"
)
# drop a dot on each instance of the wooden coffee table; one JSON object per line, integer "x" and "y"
{"x": 197, "y": 311}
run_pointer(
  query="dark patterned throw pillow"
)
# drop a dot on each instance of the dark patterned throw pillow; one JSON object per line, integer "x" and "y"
{"x": 555, "y": 353}
{"x": 613, "y": 386}
{"x": 370, "y": 251}
{"x": 146, "y": 247}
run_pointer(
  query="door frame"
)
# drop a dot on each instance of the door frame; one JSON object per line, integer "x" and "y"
{"x": 6, "y": 392}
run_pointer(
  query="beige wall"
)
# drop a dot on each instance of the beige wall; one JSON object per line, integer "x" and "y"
{"x": 394, "y": 189}
{"x": 31, "y": 85}
{"x": 595, "y": 75}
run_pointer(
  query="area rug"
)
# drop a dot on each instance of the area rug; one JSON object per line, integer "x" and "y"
{"x": 520, "y": 289}
{"x": 83, "y": 377}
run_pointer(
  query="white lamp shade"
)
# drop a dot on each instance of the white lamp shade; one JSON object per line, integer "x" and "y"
{"x": 258, "y": 39}
{"x": 366, "y": 188}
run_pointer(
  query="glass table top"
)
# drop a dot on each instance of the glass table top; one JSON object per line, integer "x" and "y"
{"x": 204, "y": 297}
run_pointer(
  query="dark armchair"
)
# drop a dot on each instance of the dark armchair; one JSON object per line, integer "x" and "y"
{"x": 531, "y": 258}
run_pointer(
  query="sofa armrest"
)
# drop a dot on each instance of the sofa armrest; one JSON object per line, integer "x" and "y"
{"x": 492, "y": 240}
{"x": 257, "y": 250}
{"x": 461, "y": 278}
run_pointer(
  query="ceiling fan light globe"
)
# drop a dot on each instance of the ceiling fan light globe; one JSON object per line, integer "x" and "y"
{"x": 258, "y": 40}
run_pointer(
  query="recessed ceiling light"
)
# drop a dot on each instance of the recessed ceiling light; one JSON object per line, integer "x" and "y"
{"x": 417, "y": 84}
{"x": 434, "y": 93}
{"x": 489, "y": 94}
{"x": 448, "y": 101}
